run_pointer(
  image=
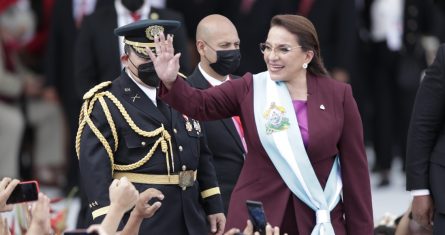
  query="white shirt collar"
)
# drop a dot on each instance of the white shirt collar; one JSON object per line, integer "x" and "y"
{"x": 148, "y": 90}
{"x": 213, "y": 81}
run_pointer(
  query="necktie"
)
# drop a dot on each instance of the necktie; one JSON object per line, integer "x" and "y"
{"x": 246, "y": 6}
{"x": 305, "y": 7}
{"x": 240, "y": 130}
{"x": 136, "y": 16}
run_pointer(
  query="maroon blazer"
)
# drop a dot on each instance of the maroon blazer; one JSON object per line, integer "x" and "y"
{"x": 336, "y": 129}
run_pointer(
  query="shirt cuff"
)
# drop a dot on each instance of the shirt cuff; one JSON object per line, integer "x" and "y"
{"x": 420, "y": 192}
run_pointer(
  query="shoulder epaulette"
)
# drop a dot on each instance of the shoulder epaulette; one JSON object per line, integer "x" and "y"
{"x": 95, "y": 89}
{"x": 182, "y": 75}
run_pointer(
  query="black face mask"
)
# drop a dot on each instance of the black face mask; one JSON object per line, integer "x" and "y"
{"x": 227, "y": 61}
{"x": 132, "y": 5}
{"x": 147, "y": 74}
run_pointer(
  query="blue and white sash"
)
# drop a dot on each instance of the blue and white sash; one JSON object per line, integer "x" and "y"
{"x": 280, "y": 135}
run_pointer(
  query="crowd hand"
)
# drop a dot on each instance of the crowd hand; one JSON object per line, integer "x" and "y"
{"x": 96, "y": 228}
{"x": 166, "y": 63}
{"x": 123, "y": 195}
{"x": 40, "y": 216}
{"x": 145, "y": 210}
{"x": 422, "y": 210}
{"x": 7, "y": 185}
{"x": 248, "y": 230}
{"x": 4, "y": 228}
{"x": 217, "y": 223}
{"x": 50, "y": 94}
{"x": 33, "y": 86}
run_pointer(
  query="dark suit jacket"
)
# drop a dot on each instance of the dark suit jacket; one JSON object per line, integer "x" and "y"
{"x": 224, "y": 143}
{"x": 97, "y": 56}
{"x": 426, "y": 136}
{"x": 182, "y": 211}
{"x": 335, "y": 130}
{"x": 60, "y": 51}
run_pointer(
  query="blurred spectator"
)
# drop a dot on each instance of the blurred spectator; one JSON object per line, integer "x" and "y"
{"x": 194, "y": 11}
{"x": 98, "y": 50}
{"x": 252, "y": 19}
{"x": 16, "y": 23}
{"x": 43, "y": 139}
{"x": 396, "y": 61}
{"x": 335, "y": 22}
{"x": 66, "y": 19}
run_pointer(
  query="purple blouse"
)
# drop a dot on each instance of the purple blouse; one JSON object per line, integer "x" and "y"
{"x": 300, "y": 107}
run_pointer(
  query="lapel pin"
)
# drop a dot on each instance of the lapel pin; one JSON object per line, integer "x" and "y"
{"x": 135, "y": 97}
{"x": 322, "y": 107}
{"x": 127, "y": 89}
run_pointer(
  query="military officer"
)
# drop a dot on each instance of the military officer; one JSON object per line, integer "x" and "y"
{"x": 126, "y": 131}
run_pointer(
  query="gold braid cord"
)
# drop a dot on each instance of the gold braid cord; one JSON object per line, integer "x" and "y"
{"x": 84, "y": 119}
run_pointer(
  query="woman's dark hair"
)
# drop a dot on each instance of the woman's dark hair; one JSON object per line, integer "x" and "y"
{"x": 306, "y": 36}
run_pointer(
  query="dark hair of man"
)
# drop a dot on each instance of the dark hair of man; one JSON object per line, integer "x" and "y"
{"x": 306, "y": 36}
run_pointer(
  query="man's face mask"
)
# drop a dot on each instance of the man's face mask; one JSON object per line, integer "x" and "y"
{"x": 227, "y": 61}
{"x": 147, "y": 73}
{"x": 132, "y": 5}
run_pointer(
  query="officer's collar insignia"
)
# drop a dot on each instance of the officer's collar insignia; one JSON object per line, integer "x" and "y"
{"x": 127, "y": 89}
{"x": 153, "y": 31}
{"x": 135, "y": 97}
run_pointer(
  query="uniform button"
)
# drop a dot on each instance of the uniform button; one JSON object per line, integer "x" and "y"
{"x": 175, "y": 131}
{"x": 180, "y": 148}
{"x": 143, "y": 143}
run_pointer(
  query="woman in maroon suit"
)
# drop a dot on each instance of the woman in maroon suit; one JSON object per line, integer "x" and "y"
{"x": 306, "y": 160}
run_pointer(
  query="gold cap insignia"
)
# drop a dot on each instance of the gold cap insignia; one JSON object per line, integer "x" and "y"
{"x": 153, "y": 31}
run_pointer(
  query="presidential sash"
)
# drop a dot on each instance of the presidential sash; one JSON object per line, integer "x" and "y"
{"x": 280, "y": 136}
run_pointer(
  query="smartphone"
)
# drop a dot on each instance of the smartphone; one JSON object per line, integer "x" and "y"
{"x": 24, "y": 192}
{"x": 79, "y": 232}
{"x": 257, "y": 216}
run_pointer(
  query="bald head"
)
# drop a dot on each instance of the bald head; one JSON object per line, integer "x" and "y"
{"x": 216, "y": 33}
{"x": 215, "y": 26}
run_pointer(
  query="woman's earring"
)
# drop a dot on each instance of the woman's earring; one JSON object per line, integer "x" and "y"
{"x": 304, "y": 65}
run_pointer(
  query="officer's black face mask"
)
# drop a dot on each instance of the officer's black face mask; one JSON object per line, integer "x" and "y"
{"x": 227, "y": 61}
{"x": 147, "y": 73}
{"x": 132, "y": 5}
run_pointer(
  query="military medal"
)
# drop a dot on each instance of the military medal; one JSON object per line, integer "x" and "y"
{"x": 197, "y": 126}
{"x": 275, "y": 119}
{"x": 188, "y": 125}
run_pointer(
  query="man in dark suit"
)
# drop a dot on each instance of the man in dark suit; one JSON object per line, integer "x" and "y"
{"x": 218, "y": 45}
{"x": 59, "y": 63}
{"x": 98, "y": 50}
{"x": 425, "y": 161}
{"x": 126, "y": 131}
